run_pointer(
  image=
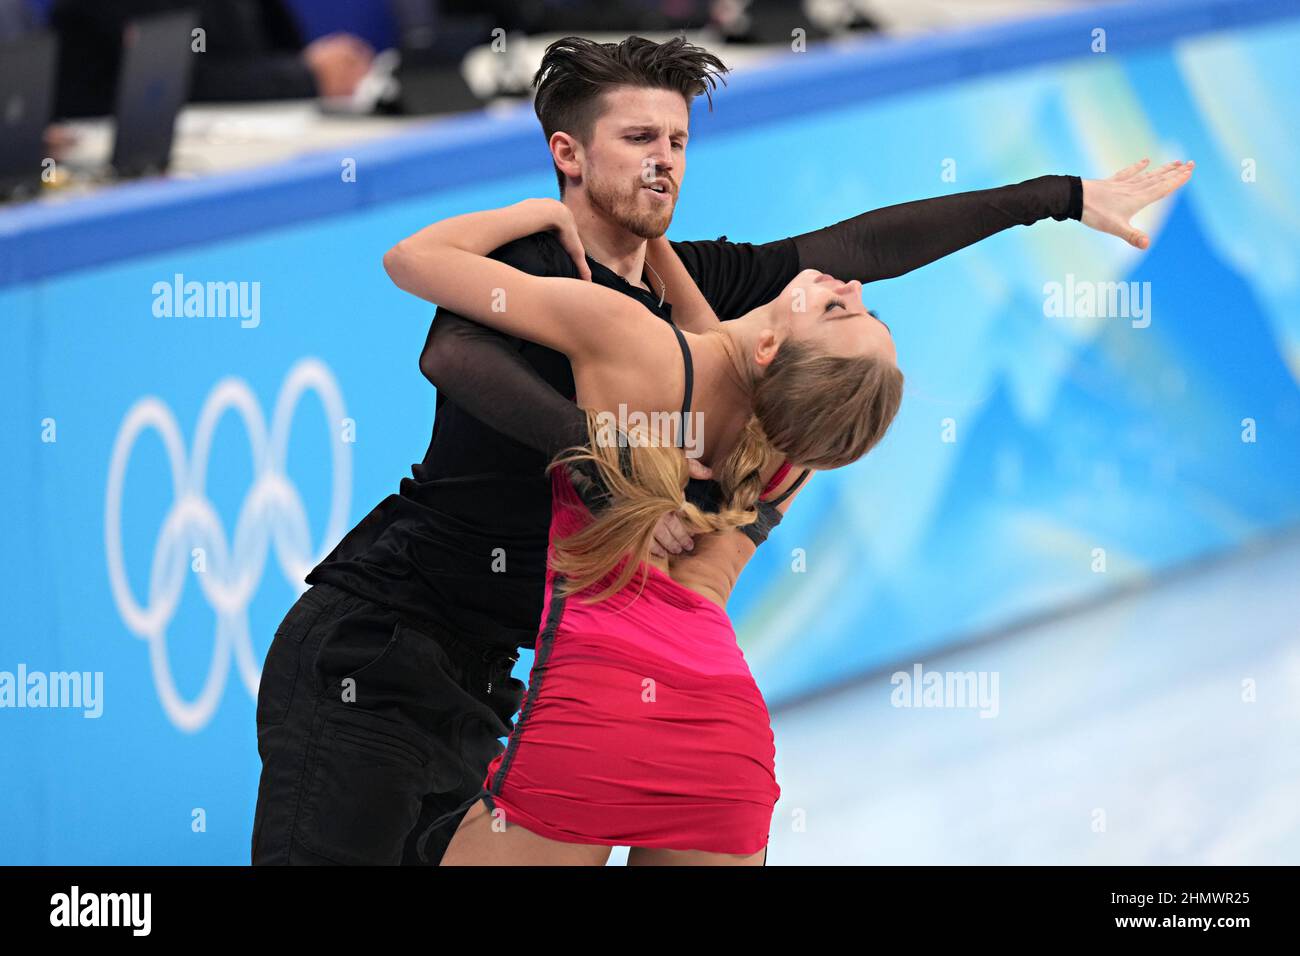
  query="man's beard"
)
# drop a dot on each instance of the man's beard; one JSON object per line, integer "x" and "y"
{"x": 626, "y": 210}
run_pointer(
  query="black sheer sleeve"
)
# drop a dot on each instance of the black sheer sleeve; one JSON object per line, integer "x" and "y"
{"x": 889, "y": 242}
{"x": 736, "y": 277}
{"x": 485, "y": 373}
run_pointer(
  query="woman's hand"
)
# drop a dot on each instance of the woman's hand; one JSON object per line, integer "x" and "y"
{"x": 560, "y": 221}
{"x": 670, "y": 535}
{"x": 1108, "y": 204}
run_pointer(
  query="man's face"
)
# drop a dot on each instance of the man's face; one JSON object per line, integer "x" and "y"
{"x": 638, "y": 146}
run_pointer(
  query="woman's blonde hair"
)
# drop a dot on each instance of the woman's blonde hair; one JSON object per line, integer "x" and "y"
{"x": 817, "y": 410}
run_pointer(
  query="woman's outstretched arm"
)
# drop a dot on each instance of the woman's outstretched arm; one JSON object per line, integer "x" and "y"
{"x": 448, "y": 263}
{"x": 889, "y": 242}
{"x": 883, "y": 243}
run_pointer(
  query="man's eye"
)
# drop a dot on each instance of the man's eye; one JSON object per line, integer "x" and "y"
{"x": 833, "y": 303}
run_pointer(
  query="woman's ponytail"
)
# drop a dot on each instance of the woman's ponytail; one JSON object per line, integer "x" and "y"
{"x": 620, "y": 536}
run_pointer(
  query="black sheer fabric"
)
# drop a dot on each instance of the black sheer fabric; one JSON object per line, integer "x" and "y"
{"x": 889, "y": 242}
{"x": 486, "y": 374}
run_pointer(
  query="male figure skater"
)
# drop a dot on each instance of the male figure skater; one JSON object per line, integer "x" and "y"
{"x": 387, "y": 686}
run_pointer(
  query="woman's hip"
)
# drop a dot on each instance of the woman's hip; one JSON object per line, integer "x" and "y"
{"x": 602, "y": 731}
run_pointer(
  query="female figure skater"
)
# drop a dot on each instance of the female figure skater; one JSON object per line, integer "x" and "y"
{"x": 642, "y": 725}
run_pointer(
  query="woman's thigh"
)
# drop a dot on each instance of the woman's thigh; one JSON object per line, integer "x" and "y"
{"x": 646, "y": 856}
{"x": 481, "y": 840}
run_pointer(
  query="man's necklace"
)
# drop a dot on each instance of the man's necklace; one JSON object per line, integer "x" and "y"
{"x": 663, "y": 286}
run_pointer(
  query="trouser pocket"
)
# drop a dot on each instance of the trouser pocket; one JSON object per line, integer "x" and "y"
{"x": 365, "y": 788}
{"x": 389, "y": 733}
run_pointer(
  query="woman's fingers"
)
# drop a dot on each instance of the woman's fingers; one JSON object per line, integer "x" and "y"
{"x": 1167, "y": 182}
{"x": 1168, "y": 169}
{"x": 568, "y": 236}
{"x": 1139, "y": 175}
{"x": 1175, "y": 168}
{"x": 1128, "y": 172}
{"x": 663, "y": 541}
{"x": 567, "y": 232}
{"x": 580, "y": 257}
{"x": 678, "y": 530}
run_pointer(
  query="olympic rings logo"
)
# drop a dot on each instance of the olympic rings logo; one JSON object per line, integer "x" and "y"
{"x": 272, "y": 513}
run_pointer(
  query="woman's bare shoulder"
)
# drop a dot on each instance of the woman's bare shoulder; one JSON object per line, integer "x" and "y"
{"x": 640, "y": 367}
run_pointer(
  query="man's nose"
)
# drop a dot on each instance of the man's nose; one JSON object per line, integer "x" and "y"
{"x": 652, "y": 168}
{"x": 663, "y": 153}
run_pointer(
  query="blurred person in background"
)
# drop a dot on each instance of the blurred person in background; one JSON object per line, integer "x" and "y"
{"x": 16, "y": 19}
{"x": 254, "y": 51}
{"x": 587, "y": 16}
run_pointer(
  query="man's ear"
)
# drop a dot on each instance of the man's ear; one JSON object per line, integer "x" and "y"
{"x": 566, "y": 153}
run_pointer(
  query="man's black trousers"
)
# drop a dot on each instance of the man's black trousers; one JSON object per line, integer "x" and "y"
{"x": 369, "y": 728}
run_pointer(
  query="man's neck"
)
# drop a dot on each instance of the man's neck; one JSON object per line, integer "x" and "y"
{"x": 618, "y": 250}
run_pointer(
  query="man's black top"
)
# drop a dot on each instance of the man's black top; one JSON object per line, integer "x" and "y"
{"x": 463, "y": 544}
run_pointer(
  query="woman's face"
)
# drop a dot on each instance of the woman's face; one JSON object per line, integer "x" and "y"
{"x": 819, "y": 309}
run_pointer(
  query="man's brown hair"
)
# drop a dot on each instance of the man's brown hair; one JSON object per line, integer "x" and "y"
{"x": 575, "y": 72}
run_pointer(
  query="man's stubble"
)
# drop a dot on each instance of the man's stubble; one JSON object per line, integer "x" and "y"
{"x": 623, "y": 206}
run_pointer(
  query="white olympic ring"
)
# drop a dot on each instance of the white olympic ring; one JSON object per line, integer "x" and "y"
{"x": 272, "y": 511}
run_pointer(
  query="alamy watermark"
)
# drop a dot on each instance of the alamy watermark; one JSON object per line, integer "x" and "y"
{"x": 946, "y": 689}
{"x": 75, "y": 908}
{"x": 1098, "y": 300}
{"x": 642, "y": 429}
{"x": 194, "y": 299}
{"x": 58, "y": 689}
